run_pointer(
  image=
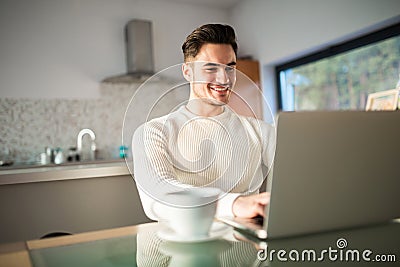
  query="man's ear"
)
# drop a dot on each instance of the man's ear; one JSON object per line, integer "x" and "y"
{"x": 187, "y": 72}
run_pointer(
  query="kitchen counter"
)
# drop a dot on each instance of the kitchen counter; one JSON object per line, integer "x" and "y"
{"x": 66, "y": 171}
{"x": 72, "y": 197}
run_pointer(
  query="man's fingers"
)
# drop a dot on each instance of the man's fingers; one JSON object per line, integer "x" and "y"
{"x": 251, "y": 206}
{"x": 264, "y": 198}
{"x": 260, "y": 210}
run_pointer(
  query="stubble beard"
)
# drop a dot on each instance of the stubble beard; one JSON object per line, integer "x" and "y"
{"x": 210, "y": 100}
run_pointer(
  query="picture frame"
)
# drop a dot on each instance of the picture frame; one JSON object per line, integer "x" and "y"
{"x": 398, "y": 102}
{"x": 384, "y": 100}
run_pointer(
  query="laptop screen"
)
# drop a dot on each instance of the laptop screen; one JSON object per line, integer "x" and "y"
{"x": 334, "y": 170}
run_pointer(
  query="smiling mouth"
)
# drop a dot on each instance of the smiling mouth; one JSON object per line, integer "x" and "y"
{"x": 219, "y": 88}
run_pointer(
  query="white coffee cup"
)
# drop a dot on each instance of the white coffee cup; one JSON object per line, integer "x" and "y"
{"x": 190, "y": 212}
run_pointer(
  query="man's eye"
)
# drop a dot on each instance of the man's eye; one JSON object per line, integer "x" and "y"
{"x": 211, "y": 70}
{"x": 229, "y": 69}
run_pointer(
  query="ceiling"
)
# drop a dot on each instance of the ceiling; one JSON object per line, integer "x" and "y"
{"x": 210, "y": 3}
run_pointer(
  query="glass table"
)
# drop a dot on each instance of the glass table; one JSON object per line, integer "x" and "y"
{"x": 141, "y": 245}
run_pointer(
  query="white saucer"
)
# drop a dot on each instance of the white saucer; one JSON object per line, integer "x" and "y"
{"x": 217, "y": 231}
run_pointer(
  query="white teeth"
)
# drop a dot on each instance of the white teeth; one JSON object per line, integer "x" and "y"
{"x": 220, "y": 89}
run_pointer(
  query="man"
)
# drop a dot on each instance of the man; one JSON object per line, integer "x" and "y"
{"x": 204, "y": 143}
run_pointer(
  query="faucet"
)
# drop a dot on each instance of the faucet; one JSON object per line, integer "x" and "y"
{"x": 79, "y": 142}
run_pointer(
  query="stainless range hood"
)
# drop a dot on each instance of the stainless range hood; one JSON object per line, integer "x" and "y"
{"x": 139, "y": 52}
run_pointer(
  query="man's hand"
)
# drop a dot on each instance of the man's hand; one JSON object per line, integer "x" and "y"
{"x": 251, "y": 206}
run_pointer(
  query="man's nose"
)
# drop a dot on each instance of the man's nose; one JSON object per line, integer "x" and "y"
{"x": 222, "y": 76}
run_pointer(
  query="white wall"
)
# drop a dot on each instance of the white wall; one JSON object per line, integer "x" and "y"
{"x": 64, "y": 48}
{"x": 274, "y": 31}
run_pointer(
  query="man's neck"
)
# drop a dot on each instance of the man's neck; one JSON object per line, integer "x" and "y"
{"x": 203, "y": 109}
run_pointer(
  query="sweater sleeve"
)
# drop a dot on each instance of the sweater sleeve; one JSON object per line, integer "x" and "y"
{"x": 225, "y": 203}
{"x": 152, "y": 168}
{"x": 155, "y": 210}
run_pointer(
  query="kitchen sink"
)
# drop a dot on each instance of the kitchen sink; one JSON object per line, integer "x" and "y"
{"x": 23, "y": 165}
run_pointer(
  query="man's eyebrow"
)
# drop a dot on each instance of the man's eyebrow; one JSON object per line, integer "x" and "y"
{"x": 211, "y": 64}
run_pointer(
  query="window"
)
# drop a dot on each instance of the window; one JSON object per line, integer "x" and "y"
{"x": 341, "y": 77}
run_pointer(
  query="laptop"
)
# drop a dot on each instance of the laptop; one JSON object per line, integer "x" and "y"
{"x": 332, "y": 170}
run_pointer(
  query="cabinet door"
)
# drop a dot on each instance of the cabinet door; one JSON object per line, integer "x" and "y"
{"x": 247, "y": 95}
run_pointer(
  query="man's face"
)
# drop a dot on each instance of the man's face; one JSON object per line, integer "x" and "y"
{"x": 212, "y": 73}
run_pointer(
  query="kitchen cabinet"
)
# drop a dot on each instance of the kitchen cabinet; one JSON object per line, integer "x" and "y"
{"x": 251, "y": 68}
{"x": 70, "y": 199}
{"x": 247, "y": 97}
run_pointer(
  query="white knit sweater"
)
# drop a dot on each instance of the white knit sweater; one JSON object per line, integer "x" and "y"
{"x": 182, "y": 149}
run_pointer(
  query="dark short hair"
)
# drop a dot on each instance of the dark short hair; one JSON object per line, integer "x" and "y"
{"x": 208, "y": 33}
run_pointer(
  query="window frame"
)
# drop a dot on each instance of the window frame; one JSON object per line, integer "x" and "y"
{"x": 338, "y": 48}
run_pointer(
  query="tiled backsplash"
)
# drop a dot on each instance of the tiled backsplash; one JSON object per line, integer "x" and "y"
{"x": 27, "y": 126}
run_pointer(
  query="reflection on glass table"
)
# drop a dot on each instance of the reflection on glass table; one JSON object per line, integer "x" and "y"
{"x": 142, "y": 246}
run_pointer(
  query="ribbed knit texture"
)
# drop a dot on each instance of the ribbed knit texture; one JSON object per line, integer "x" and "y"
{"x": 181, "y": 149}
{"x": 152, "y": 252}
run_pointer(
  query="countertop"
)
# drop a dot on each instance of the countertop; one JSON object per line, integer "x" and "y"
{"x": 53, "y": 172}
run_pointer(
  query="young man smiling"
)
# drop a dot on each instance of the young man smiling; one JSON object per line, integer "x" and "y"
{"x": 205, "y": 143}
